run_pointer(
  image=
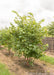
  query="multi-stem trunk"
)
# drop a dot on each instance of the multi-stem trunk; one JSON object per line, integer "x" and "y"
{"x": 9, "y": 52}
{"x": 27, "y": 63}
{"x": 9, "y": 48}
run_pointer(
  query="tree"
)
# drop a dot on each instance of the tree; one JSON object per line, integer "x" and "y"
{"x": 51, "y": 29}
{"x": 45, "y": 29}
{"x": 27, "y": 36}
{"x": 5, "y": 38}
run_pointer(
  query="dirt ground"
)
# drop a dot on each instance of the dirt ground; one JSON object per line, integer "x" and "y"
{"x": 51, "y": 54}
{"x": 18, "y": 67}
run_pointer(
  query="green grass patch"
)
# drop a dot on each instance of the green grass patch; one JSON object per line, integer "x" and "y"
{"x": 4, "y": 70}
{"x": 47, "y": 59}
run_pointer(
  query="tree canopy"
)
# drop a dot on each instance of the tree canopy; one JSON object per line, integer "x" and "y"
{"x": 51, "y": 29}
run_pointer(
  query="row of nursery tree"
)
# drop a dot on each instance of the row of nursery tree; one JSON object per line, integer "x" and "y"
{"x": 25, "y": 39}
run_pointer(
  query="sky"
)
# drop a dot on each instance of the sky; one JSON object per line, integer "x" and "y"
{"x": 42, "y": 9}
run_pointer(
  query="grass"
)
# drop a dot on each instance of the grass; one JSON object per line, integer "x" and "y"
{"x": 47, "y": 59}
{"x": 3, "y": 70}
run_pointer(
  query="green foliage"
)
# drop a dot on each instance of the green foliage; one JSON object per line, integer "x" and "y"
{"x": 51, "y": 29}
{"x": 28, "y": 36}
{"x": 5, "y": 38}
{"x": 45, "y": 29}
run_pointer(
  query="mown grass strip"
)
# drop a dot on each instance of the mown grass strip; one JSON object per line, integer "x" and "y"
{"x": 47, "y": 59}
{"x": 3, "y": 70}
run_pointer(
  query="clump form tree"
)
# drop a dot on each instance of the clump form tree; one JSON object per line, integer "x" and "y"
{"x": 27, "y": 37}
{"x": 51, "y": 29}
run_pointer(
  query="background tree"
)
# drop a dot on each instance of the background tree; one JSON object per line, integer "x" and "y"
{"x": 51, "y": 29}
{"x": 5, "y": 38}
{"x": 45, "y": 29}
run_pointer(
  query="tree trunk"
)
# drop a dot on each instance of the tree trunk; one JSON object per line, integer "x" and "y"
{"x": 9, "y": 52}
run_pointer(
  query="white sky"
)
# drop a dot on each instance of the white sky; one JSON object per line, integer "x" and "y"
{"x": 42, "y": 9}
